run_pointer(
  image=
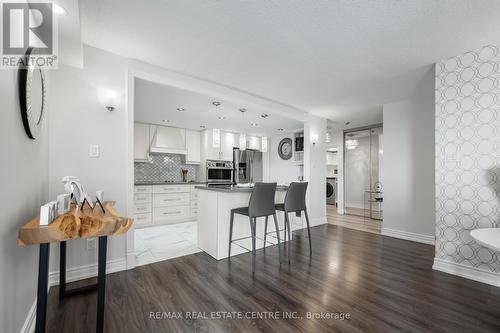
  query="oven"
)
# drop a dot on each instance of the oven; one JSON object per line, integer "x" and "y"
{"x": 219, "y": 172}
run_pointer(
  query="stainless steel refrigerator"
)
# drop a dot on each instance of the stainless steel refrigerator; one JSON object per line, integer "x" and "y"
{"x": 247, "y": 166}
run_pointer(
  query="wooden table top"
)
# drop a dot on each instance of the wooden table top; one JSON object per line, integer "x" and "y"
{"x": 76, "y": 224}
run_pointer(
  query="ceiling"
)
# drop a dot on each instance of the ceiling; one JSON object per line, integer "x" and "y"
{"x": 340, "y": 59}
{"x": 154, "y": 103}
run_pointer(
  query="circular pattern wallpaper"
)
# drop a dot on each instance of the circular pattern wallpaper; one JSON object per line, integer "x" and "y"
{"x": 468, "y": 155}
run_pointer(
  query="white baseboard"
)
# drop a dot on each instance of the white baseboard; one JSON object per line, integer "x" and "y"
{"x": 426, "y": 239}
{"x": 72, "y": 274}
{"x": 87, "y": 271}
{"x": 29, "y": 323}
{"x": 468, "y": 272}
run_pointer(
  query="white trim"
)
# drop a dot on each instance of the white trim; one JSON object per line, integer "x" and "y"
{"x": 29, "y": 323}
{"x": 468, "y": 272}
{"x": 87, "y": 271}
{"x": 130, "y": 247}
{"x": 420, "y": 238}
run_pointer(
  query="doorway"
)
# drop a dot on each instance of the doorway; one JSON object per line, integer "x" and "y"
{"x": 363, "y": 157}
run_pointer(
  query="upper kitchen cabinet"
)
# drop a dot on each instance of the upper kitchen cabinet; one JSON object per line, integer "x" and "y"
{"x": 217, "y": 147}
{"x": 193, "y": 141}
{"x": 141, "y": 142}
{"x": 331, "y": 158}
{"x": 254, "y": 143}
{"x": 168, "y": 140}
{"x": 227, "y": 144}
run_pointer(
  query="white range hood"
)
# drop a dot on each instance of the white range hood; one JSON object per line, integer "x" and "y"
{"x": 168, "y": 140}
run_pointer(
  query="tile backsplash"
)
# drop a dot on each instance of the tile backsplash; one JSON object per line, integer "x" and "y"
{"x": 162, "y": 168}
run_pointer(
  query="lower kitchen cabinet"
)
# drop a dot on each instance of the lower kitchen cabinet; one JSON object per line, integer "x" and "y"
{"x": 165, "y": 204}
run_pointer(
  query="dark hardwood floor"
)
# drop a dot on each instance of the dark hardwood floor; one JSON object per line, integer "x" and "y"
{"x": 385, "y": 284}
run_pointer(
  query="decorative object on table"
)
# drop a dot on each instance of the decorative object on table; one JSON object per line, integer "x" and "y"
{"x": 99, "y": 196}
{"x": 45, "y": 215}
{"x": 184, "y": 175}
{"x": 32, "y": 95}
{"x": 63, "y": 203}
{"x": 73, "y": 186}
{"x": 285, "y": 149}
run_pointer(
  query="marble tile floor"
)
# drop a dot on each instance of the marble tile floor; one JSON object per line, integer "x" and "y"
{"x": 165, "y": 242}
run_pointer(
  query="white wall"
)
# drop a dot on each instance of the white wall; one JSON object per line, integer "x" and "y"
{"x": 281, "y": 171}
{"x": 79, "y": 119}
{"x": 24, "y": 180}
{"x": 408, "y": 172}
{"x": 315, "y": 168}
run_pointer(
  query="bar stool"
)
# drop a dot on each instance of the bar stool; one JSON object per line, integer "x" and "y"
{"x": 261, "y": 204}
{"x": 295, "y": 202}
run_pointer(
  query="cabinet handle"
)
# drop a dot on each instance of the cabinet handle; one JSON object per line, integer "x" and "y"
{"x": 170, "y": 213}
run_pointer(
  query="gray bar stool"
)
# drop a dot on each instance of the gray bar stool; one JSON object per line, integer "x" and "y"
{"x": 295, "y": 202}
{"x": 261, "y": 204}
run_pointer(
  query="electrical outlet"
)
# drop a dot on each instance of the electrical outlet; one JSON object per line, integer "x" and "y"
{"x": 94, "y": 151}
{"x": 91, "y": 243}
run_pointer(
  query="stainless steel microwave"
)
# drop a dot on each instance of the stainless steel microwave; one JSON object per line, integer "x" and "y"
{"x": 219, "y": 172}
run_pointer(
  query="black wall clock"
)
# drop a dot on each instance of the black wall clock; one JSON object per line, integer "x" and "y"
{"x": 32, "y": 95}
{"x": 285, "y": 149}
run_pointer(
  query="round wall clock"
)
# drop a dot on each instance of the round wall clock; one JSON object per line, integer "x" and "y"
{"x": 285, "y": 149}
{"x": 32, "y": 95}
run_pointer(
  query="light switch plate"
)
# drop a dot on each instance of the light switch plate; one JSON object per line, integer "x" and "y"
{"x": 94, "y": 151}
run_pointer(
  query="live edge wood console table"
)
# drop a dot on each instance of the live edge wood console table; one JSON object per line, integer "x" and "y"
{"x": 76, "y": 224}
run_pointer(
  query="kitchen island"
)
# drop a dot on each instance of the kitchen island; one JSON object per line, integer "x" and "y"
{"x": 215, "y": 204}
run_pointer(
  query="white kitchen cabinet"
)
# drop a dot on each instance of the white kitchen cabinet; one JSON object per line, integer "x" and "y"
{"x": 225, "y": 150}
{"x": 165, "y": 204}
{"x": 166, "y": 139}
{"x": 331, "y": 158}
{"x": 193, "y": 141}
{"x": 254, "y": 143}
{"x": 141, "y": 142}
{"x": 226, "y": 146}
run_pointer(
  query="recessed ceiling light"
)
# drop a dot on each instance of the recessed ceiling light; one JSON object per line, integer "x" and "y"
{"x": 280, "y": 129}
{"x": 166, "y": 120}
{"x": 180, "y": 109}
{"x": 243, "y": 110}
{"x": 216, "y": 103}
{"x": 59, "y": 10}
{"x": 254, "y": 124}
{"x": 264, "y": 115}
{"x": 222, "y": 117}
{"x": 203, "y": 126}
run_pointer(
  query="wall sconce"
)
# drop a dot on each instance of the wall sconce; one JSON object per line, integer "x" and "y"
{"x": 110, "y": 99}
{"x": 314, "y": 138}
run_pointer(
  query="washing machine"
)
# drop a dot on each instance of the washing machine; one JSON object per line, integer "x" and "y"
{"x": 331, "y": 191}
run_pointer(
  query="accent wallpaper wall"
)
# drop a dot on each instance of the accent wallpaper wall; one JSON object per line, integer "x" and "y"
{"x": 468, "y": 155}
{"x": 164, "y": 167}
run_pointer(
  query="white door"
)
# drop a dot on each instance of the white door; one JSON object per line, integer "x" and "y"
{"x": 141, "y": 142}
{"x": 193, "y": 147}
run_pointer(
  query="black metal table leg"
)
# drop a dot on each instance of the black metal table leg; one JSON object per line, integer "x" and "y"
{"x": 101, "y": 282}
{"x": 62, "y": 270}
{"x": 43, "y": 279}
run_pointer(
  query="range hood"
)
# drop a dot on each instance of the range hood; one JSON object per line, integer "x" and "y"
{"x": 168, "y": 140}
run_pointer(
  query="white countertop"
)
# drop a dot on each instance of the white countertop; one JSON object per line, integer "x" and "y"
{"x": 489, "y": 237}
